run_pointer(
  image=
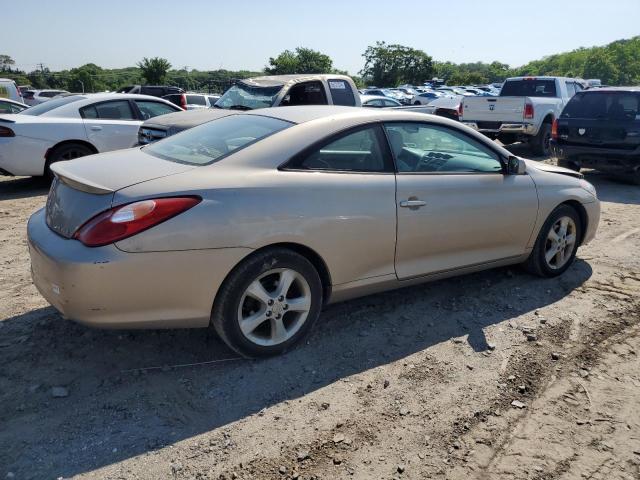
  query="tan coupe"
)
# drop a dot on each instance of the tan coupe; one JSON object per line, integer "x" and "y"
{"x": 252, "y": 222}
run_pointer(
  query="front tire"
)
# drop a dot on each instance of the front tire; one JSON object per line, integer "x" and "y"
{"x": 557, "y": 243}
{"x": 268, "y": 303}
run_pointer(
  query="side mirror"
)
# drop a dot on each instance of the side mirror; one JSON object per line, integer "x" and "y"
{"x": 516, "y": 166}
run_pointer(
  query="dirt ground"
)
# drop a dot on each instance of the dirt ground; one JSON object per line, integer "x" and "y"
{"x": 496, "y": 375}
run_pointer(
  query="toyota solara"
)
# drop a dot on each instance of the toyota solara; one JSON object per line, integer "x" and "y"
{"x": 252, "y": 222}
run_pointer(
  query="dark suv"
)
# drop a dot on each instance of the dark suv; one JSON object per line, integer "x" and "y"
{"x": 600, "y": 129}
{"x": 153, "y": 90}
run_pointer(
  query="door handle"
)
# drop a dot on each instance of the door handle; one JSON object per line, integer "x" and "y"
{"x": 96, "y": 128}
{"x": 412, "y": 203}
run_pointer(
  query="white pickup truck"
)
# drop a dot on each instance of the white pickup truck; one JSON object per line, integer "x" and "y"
{"x": 525, "y": 110}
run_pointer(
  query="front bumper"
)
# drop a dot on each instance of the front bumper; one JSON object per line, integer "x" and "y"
{"x": 499, "y": 127}
{"x": 605, "y": 159}
{"x": 23, "y": 155}
{"x": 593, "y": 215}
{"x": 108, "y": 288}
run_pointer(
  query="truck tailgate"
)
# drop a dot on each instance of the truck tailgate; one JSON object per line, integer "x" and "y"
{"x": 493, "y": 109}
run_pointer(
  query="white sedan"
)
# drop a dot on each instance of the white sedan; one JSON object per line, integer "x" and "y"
{"x": 71, "y": 127}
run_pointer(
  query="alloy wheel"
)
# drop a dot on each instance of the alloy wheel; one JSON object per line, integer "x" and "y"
{"x": 561, "y": 241}
{"x": 274, "y": 307}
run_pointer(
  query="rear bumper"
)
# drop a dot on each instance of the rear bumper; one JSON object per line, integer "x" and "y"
{"x": 108, "y": 288}
{"x": 614, "y": 160}
{"x": 503, "y": 127}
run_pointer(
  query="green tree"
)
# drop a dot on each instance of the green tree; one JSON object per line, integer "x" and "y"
{"x": 302, "y": 60}
{"x": 5, "y": 62}
{"x": 391, "y": 65}
{"x": 154, "y": 70}
{"x": 599, "y": 65}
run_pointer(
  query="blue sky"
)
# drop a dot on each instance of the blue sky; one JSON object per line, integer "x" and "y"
{"x": 244, "y": 34}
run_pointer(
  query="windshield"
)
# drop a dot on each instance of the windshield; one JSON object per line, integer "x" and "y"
{"x": 212, "y": 141}
{"x": 51, "y": 104}
{"x": 246, "y": 97}
{"x": 603, "y": 105}
{"x": 529, "y": 88}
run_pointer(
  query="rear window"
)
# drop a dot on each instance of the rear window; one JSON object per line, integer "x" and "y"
{"x": 196, "y": 100}
{"x": 529, "y": 88}
{"x": 212, "y": 141}
{"x": 605, "y": 105}
{"x": 52, "y": 104}
{"x": 341, "y": 93}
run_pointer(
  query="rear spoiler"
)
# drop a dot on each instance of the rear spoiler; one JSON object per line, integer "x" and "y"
{"x": 78, "y": 183}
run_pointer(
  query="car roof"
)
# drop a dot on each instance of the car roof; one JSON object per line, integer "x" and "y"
{"x": 614, "y": 89}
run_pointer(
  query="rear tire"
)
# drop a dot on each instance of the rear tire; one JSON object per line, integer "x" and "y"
{"x": 540, "y": 143}
{"x": 268, "y": 303}
{"x": 543, "y": 261}
{"x": 68, "y": 151}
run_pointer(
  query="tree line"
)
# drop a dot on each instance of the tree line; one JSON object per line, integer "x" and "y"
{"x": 617, "y": 63}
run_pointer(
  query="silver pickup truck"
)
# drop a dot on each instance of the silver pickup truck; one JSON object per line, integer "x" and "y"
{"x": 524, "y": 110}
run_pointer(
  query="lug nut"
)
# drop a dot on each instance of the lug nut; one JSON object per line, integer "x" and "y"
{"x": 270, "y": 302}
{"x": 268, "y": 313}
{"x": 281, "y": 298}
{"x": 285, "y": 306}
{"x": 278, "y": 316}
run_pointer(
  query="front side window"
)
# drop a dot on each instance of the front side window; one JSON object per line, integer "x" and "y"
{"x": 116, "y": 110}
{"x": 150, "y": 109}
{"x": 356, "y": 151}
{"x": 427, "y": 148}
{"x": 212, "y": 141}
{"x": 391, "y": 103}
{"x": 307, "y": 93}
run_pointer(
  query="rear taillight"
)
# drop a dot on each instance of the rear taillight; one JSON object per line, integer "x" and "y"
{"x": 6, "y": 132}
{"x": 528, "y": 110}
{"x": 127, "y": 220}
{"x": 183, "y": 101}
{"x": 554, "y": 129}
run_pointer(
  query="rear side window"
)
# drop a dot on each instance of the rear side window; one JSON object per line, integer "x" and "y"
{"x": 173, "y": 98}
{"x": 603, "y": 105}
{"x": 341, "y": 93}
{"x": 150, "y": 109}
{"x": 51, "y": 105}
{"x": 529, "y": 88}
{"x": 196, "y": 100}
{"x": 117, "y": 110}
{"x": 356, "y": 151}
{"x": 212, "y": 141}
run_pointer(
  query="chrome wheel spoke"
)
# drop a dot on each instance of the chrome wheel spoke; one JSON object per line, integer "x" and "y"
{"x": 257, "y": 291}
{"x": 287, "y": 277}
{"x": 564, "y": 223}
{"x": 550, "y": 255}
{"x": 300, "y": 304}
{"x": 279, "y": 333}
{"x": 560, "y": 258}
{"x": 571, "y": 239}
{"x": 249, "y": 324}
{"x": 553, "y": 236}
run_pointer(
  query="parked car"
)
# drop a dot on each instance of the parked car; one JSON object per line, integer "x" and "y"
{"x": 425, "y": 98}
{"x": 446, "y": 106}
{"x": 9, "y": 90}
{"x": 600, "y": 129}
{"x": 246, "y": 222}
{"x": 260, "y": 92}
{"x": 289, "y": 90}
{"x": 384, "y": 92}
{"x": 192, "y": 101}
{"x": 9, "y": 106}
{"x": 379, "y": 102}
{"x": 153, "y": 90}
{"x": 36, "y": 97}
{"x": 73, "y": 126}
{"x": 525, "y": 110}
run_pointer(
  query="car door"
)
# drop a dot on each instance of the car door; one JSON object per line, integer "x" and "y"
{"x": 455, "y": 205}
{"x": 110, "y": 125}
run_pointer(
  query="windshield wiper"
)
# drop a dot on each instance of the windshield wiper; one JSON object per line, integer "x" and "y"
{"x": 239, "y": 107}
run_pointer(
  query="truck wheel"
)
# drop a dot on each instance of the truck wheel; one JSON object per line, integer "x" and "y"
{"x": 540, "y": 143}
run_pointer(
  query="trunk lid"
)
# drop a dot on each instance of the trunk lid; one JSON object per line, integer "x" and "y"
{"x": 493, "y": 109}
{"x": 85, "y": 186}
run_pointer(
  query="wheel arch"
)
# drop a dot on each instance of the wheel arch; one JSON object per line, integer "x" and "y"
{"x": 84, "y": 143}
